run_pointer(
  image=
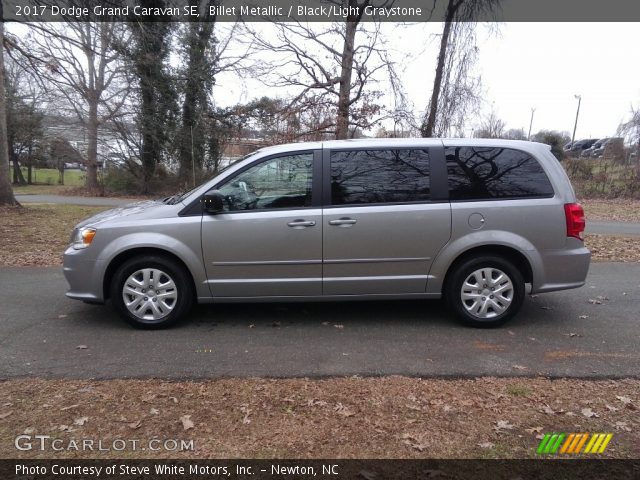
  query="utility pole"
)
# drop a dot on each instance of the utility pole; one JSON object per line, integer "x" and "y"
{"x": 573, "y": 137}
{"x": 533, "y": 110}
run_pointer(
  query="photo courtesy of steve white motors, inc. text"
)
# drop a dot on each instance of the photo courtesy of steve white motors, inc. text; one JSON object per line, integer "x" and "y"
{"x": 169, "y": 469}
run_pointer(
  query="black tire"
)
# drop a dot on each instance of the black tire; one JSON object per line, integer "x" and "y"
{"x": 492, "y": 317}
{"x": 179, "y": 306}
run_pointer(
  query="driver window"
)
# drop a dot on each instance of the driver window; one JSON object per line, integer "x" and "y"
{"x": 281, "y": 182}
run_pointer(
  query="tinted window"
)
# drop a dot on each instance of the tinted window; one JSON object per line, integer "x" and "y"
{"x": 484, "y": 173}
{"x": 283, "y": 182}
{"x": 379, "y": 176}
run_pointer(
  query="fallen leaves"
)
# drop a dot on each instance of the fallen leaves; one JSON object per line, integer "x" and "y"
{"x": 81, "y": 421}
{"x": 486, "y": 445}
{"x": 605, "y": 248}
{"x": 47, "y": 228}
{"x": 81, "y": 347}
{"x": 502, "y": 425}
{"x": 418, "y": 441}
{"x": 548, "y": 410}
{"x": 342, "y": 410}
{"x": 611, "y": 210}
{"x": 534, "y": 430}
{"x": 599, "y": 300}
{"x": 246, "y": 411}
{"x": 622, "y": 426}
{"x": 187, "y": 423}
{"x": 397, "y": 417}
{"x": 135, "y": 425}
{"x": 5, "y": 415}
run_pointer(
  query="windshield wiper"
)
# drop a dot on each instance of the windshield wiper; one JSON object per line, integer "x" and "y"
{"x": 172, "y": 200}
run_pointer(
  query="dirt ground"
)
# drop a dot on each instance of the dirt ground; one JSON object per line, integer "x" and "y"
{"x": 388, "y": 417}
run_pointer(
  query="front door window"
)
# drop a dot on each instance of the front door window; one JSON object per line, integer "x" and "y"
{"x": 282, "y": 182}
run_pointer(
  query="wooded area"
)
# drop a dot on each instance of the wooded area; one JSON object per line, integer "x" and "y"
{"x": 142, "y": 93}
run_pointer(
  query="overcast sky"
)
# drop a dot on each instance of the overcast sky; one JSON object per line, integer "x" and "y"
{"x": 524, "y": 66}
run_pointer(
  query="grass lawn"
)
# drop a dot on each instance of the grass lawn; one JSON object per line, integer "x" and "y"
{"x": 46, "y": 181}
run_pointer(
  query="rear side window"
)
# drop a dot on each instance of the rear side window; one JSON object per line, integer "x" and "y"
{"x": 379, "y": 176}
{"x": 480, "y": 173}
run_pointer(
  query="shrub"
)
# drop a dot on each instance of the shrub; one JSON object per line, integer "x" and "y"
{"x": 121, "y": 181}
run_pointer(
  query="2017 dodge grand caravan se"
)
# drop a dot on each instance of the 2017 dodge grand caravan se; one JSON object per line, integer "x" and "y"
{"x": 472, "y": 221}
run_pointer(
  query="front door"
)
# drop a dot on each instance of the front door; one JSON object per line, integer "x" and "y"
{"x": 384, "y": 225}
{"x": 268, "y": 239}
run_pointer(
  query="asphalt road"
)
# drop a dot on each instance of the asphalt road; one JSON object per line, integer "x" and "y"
{"x": 42, "y": 332}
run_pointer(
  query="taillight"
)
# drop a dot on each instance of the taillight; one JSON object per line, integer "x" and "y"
{"x": 574, "y": 214}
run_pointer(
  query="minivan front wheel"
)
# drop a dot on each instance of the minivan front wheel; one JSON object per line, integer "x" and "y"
{"x": 486, "y": 291}
{"x": 151, "y": 292}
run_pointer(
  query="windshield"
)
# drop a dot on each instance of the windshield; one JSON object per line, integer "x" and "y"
{"x": 172, "y": 200}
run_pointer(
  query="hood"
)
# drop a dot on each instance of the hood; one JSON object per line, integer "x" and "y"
{"x": 119, "y": 212}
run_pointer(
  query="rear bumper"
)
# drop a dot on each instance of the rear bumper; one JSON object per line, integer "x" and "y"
{"x": 563, "y": 269}
{"x": 84, "y": 276}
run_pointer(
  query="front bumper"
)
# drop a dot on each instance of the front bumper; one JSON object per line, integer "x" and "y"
{"x": 84, "y": 276}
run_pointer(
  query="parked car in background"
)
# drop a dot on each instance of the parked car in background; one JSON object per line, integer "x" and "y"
{"x": 470, "y": 220}
{"x": 580, "y": 145}
{"x": 589, "y": 152}
{"x": 608, "y": 147}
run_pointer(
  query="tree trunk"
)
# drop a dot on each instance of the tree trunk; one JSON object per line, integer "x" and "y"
{"x": 148, "y": 154}
{"x": 429, "y": 125}
{"x": 92, "y": 145}
{"x": 29, "y": 172}
{"x": 344, "y": 97}
{"x": 18, "y": 177}
{"x": 6, "y": 191}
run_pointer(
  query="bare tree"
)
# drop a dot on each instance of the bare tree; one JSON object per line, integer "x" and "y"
{"x": 6, "y": 190}
{"x": 24, "y": 119}
{"x": 459, "y": 96}
{"x": 79, "y": 60}
{"x": 515, "y": 134}
{"x": 454, "y": 36}
{"x": 491, "y": 127}
{"x": 330, "y": 67}
{"x": 630, "y": 130}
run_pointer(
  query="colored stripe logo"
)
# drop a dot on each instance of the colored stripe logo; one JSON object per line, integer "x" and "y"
{"x": 573, "y": 443}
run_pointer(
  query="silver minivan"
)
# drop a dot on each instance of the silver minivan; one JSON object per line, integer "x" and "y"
{"x": 473, "y": 221}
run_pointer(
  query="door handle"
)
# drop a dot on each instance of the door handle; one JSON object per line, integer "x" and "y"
{"x": 343, "y": 222}
{"x": 301, "y": 223}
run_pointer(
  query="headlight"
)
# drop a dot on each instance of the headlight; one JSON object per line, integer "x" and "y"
{"x": 82, "y": 237}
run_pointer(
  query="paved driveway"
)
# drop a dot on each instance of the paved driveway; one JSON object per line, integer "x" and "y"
{"x": 44, "y": 334}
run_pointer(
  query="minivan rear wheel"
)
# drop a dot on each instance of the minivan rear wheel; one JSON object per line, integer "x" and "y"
{"x": 151, "y": 292}
{"x": 485, "y": 292}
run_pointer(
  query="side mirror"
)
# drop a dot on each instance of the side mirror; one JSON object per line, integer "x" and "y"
{"x": 213, "y": 202}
